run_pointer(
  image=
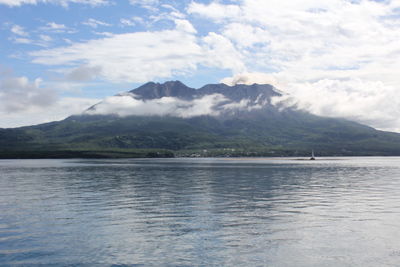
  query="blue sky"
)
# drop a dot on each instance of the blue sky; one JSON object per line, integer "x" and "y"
{"x": 335, "y": 58}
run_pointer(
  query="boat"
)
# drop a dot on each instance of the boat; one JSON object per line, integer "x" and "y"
{"x": 312, "y": 155}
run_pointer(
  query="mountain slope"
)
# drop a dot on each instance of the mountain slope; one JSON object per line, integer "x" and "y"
{"x": 173, "y": 119}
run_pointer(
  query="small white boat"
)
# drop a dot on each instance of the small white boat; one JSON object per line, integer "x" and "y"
{"x": 312, "y": 155}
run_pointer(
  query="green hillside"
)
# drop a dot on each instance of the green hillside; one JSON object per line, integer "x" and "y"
{"x": 287, "y": 133}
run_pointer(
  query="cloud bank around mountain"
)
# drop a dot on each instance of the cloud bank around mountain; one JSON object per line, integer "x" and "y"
{"x": 211, "y": 105}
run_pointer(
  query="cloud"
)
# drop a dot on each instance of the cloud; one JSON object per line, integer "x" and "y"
{"x": 221, "y": 53}
{"x": 215, "y": 11}
{"x": 84, "y": 73}
{"x": 19, "y": 40}
{"x": 151, "y": 5}
{"x": 127, "y": 22}
{"x": 135, "y": 20}
{"x": 26, "y": 102}
{"x": 56, "y": 28}
{"x": 126, "y": 105}
{"x": 18, "y": 30}
{"x": 95, "y": 23}
{"x": 143, "y": 56}
{"x": 131, "y": 57}
{"x": 19, "y": 94}
{"x": 45, "y": 38}
{"x": 16, "y": 3}
{"x": 212, "y": 105}
{"x": 53, "y": 27}
{"x": 371, "y": 103}
{"x": 307, "y": 40}
{"x": 20, "y": 36}
{"x": 184, "y": 25}
{"x": 144, "y": 2}
{"x": 343, "y": 52}
{"x": 251, "y": 78}
{"x": 299, "y": 46}
{"x": 59, "y": 110}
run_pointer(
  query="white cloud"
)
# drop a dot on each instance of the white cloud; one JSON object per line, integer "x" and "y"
{"x": 151, "y": 5}
{"x": 94, "y": 23}
{"x": 19, "y": 94}
{"x": 127, "y": 22}
{"x": 307, "y": 43}
{"x": 83, "y": 73}
{"x": 320, "y": 46}
{"x": 52, "y": 27}
{"x": 372, "y": 103}
{"x": 107, "y": 34}
{"x": 143, "y": 56}
{"x": 221, "y": 53}
{"x": 42, "y": 40}
{"x": 309, "y": 39}
{"x": 184, "y": 25}
{"x": 215, "y": 11}
{"x": 15, "y": 3}
{"x": 18, "y": 30}
{"x": 45, "y": 38}
{"x": 132, "y": 21}
{"x": 127, "y": 105}
{"x": 59, "y": 110}
{"x": 132, "y": 57}
{"x": 251, "y": 78}
{"x": 212, "y": 105}
{"x": 55, "y": 26}
{"x": 19, "y": 40}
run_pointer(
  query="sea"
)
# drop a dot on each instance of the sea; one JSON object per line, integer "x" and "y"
{"x": 339, "y": 211}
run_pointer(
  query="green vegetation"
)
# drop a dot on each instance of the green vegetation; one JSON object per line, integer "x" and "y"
{"x": 286, "y": 133}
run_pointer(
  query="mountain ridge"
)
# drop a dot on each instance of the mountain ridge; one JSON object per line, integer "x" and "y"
{"x": 176, "y": 99}
{"x": 172, "y": 119}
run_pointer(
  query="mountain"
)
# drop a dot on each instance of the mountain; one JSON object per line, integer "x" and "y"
{"x": 153, "y": 90}
{"x": 171, "y": 119}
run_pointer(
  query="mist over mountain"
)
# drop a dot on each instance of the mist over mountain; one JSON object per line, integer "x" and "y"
{"x": 176, "y": 99}
{"x": 172, "y": 119}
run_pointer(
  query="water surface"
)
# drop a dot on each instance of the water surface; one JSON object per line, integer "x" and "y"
{"x": 200, "y": 212}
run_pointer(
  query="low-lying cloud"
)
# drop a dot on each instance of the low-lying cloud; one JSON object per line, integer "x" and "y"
{"x": 369, "y": 102}
{"x": 59, "y": 110}
{"x": 212, "y": 105}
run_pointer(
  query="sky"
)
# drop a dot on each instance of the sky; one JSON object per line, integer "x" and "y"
{"x": 336, "y": 58}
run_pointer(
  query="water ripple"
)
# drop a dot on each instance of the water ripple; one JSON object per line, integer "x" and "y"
{"x": 200, "y": 212}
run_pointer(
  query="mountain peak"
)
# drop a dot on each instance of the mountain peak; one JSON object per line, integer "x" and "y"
{"x": 152, "y": 90}
{"x": 238, "y": 92}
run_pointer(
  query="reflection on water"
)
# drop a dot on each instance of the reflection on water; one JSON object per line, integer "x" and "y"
{"x": 201, "y": 212}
